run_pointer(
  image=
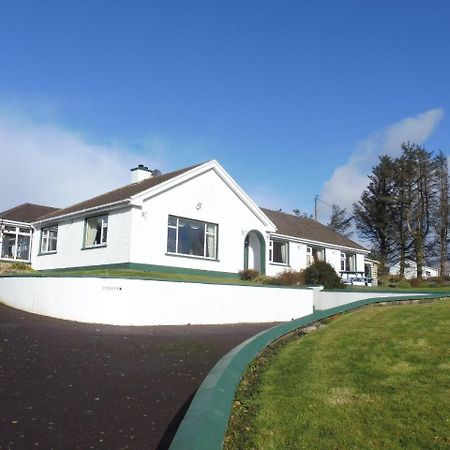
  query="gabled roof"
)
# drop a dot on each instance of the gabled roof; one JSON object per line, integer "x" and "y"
{"x": 308, "y": 229}
{"x": 117, "y": 195}
{"x": 27, "y": 212}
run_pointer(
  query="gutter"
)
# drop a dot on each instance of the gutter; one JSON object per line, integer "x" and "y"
{"x": 309, "y": 241}
{"x": 82, "y": 212}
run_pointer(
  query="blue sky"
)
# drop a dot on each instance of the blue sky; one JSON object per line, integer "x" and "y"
{"x": 292, "y": 98}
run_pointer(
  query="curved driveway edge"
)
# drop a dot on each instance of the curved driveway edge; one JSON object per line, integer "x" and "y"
{"x": 205, "y": 423}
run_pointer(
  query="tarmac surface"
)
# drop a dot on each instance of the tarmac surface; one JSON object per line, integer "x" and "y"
{"x": 68, "y": 385}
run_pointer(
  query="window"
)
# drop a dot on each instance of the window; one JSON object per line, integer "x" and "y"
{"x": 343, "y": 258}
{"x": 15, "y": 243}
{"x": 191, "y": 237}
{"x": 96, "y": 231}
{"x": 278, "y": 252}
{"x": 309, "y": 256}
{"x": 49, "y": 237}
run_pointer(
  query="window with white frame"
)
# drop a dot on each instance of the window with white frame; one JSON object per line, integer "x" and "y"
{"x": 278, "y": 252}
{"x": 309, "y": 256}
{"x": 49, "y": 238}
{"x": 191, "y": 237}
{"x": 15, "y": 242}
{"x": 343, "y": 261}
{"x": 96, "y": 231}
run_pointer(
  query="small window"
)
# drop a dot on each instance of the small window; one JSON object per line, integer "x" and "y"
{"x": 309, "y": 256}
{"x": 49, "y": 238}
{"x": 191, "y": 237}
{"x": 343, "y": 259}
{"x": 96, "y": 231}
{"x": 278, "y": 252}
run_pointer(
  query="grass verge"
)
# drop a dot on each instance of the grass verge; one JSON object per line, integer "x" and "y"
{"x": 375, "y": 378}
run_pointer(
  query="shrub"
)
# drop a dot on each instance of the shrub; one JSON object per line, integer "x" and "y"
{"x": 403, "y": 284}
{"x": 264, "y": 279}
{"x": 9, "y": 268}
{"x": 248, "y": 274}
{"x": 289, "y": 278}
{"x": 21, "y": 267}
{"x": 322, "y": 273}
{"x": 418, "y": 282}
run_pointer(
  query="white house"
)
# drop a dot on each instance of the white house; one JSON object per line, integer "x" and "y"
{"x": 411, "y": 270}
{"x": 16, "y": 231}
{"x": 193, "y": 219}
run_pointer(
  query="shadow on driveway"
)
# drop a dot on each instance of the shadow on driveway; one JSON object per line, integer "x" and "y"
{"x": 68, "y": 385}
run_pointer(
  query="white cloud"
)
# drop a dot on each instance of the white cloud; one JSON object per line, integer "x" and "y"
{"x": 50, "y": 164}
{"x": 349, "y": 180}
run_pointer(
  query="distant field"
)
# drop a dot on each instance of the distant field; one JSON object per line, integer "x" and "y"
{"x": 375, "y": 378}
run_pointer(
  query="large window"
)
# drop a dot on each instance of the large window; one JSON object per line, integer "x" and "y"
{"x": 15, "y": 243}
{"x": 278, "y": 252}
{"x": 343, "y": 260}
{"x": 96, "y": 231}
{"x": 191, "y": 237}
{"x": 49, "y": 237}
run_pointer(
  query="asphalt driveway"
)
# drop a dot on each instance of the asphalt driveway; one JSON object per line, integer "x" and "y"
{"x": 66, "y": 385}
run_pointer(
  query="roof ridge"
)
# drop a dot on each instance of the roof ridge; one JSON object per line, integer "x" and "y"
{"x": 314, "y": 223}
{"x": 129, "y": 189}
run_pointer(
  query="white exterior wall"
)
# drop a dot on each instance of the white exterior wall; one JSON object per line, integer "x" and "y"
{"x": 149, "y": 302}
{"x": 70, "y": 252}
{"x": 219, "y": 204}
{"x": 330, "y": 299}
{"x": 297, "y": 259}
{"x": 333, "y": 257}
{"x": 359, "y": 262}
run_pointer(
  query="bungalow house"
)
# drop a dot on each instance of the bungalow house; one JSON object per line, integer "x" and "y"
{"x": 411, "y": 270}
{"x": 193, "y": 219}
{"x": 16, "y": 231}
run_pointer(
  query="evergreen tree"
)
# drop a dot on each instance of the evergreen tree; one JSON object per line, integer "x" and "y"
{"x": 441, "y": 210}
{"x": 401, "y": 202}
{"x": 418, "y": 169}
{"x": 373, "y": 212}
{"x": 340, "y": 221}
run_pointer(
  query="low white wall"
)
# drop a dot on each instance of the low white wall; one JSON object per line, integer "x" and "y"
{"x": 148, "y": 302}
{"x": 326, "y": 300}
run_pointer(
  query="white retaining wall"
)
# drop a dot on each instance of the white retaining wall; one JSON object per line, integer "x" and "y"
{"x": 149, "y": 302}
{"x": 326, "y": 300}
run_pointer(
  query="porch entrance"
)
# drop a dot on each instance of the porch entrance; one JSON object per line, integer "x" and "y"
{"x": 255, "y": 252}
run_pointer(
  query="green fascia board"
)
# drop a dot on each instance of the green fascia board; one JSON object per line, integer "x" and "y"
{"x": 205, "y": 423}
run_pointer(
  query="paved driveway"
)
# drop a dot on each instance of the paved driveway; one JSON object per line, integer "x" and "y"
{"x": 66, "y": 385}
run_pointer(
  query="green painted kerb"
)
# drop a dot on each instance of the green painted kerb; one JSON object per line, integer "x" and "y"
{"x": 205, "y": 423}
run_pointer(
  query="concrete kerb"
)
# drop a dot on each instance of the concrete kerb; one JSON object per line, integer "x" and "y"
{"x": 205, "y": 423}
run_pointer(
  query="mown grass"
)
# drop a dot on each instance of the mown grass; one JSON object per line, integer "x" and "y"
{"x": 374, "y": 378}
{"x": 141, "y": 274}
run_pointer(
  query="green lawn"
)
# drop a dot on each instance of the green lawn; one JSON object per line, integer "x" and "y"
{"x": 376, "y": 378}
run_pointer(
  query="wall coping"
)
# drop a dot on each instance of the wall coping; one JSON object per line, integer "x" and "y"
{"x": 205, "y": 422}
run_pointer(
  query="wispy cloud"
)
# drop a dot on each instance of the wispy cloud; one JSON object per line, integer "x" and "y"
{"x": 349, "y": 180}
{"x": 50, "y": 164}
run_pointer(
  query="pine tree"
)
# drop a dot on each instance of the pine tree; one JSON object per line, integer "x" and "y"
{"x": 441, "y": 210}
{"x": 418, "y": 168}
{"x": 373, "y": 212}
{"x": 340, "y": 221}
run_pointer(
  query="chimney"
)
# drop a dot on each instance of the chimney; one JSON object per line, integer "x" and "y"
{"x": 140, "y": 173}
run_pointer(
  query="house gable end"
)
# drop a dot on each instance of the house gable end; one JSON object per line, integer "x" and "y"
{"x": 210, "y": 166}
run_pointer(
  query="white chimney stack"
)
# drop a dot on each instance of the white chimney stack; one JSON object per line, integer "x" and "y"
{"x": 140, "y": 173}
